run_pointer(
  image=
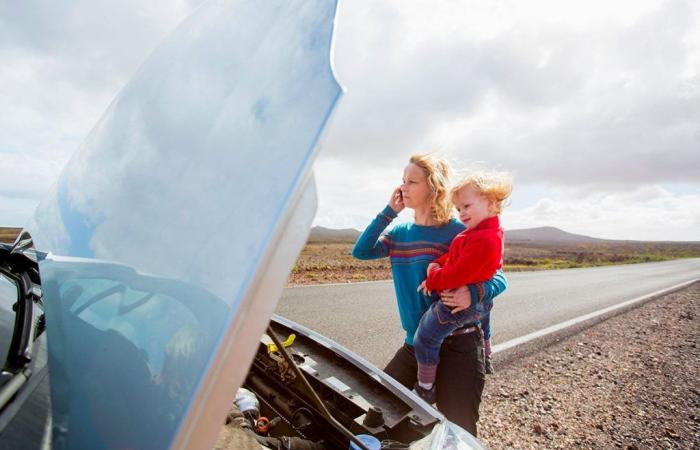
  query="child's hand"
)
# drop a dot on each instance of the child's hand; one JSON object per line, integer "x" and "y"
{"x": 432, "y": 266}
{"x": 423, "y": 288}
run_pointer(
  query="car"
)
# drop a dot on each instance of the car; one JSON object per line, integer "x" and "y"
{"x": 134, "y": 301}
{"x": 112, "y": 374}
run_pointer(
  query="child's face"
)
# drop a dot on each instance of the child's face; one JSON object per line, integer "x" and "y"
{"x": 472, "y": 206}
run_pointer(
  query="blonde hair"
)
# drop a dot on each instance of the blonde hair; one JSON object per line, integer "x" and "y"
{"x": 437, "y": 172}
{"x": 495, "y": 186}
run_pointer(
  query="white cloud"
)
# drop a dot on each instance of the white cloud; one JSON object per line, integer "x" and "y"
{"x": 646, "y": 213}
{"x": 554, "y": 93}
{"x": 62, "y": 65}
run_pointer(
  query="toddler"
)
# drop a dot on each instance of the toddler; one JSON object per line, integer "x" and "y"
{"x": 474, "y": 256}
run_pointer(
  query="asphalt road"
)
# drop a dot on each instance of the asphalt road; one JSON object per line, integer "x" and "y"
{"x": 363, "y": 316}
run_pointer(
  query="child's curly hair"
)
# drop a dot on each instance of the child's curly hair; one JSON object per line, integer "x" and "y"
{"x": 495, "y": 186}
{"x": 438, "y": 173}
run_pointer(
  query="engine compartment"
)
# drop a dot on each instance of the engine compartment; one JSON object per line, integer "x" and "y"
{"x": 356, "y": 395}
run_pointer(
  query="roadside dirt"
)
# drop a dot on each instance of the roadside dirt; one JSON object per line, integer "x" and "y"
{"x": 332, "y": 262}
{"x": 631, "y": 382}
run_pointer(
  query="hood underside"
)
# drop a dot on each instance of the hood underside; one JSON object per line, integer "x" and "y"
{"x": 172, "y": 230}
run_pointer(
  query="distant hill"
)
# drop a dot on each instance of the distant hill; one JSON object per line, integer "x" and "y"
{"x": 540, "y": 235}
{"x": 550, "y": 235}
{"x": 321, "y": 234}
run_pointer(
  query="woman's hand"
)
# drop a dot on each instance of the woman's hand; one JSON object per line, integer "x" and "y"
{"x": 459, "y": 299}
{"x": 396, "y": 201}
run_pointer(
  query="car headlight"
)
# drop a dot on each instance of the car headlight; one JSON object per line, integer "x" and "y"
{"x": 448, "y": 436}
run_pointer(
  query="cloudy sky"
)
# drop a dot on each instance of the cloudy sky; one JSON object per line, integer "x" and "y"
{"x": 593, "y": 106}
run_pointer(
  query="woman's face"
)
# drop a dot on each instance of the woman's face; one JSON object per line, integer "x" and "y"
{"x": 415, "y": 188}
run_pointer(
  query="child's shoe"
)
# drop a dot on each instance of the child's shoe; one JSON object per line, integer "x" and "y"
{"x": 488, "y": 366}
{"x": 428, "y": 395}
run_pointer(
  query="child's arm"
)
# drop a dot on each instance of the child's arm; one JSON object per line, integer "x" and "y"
{"x": 436, "y": 264}
{"x": 370, "y": 244}
{"x": 477, "y": 261}
{"x": 442, "y": 259}
{"x": 432, "y": 266}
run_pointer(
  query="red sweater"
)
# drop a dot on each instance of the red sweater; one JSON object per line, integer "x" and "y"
{"x": 474, "y": 256}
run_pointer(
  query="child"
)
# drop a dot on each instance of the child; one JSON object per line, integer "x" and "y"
{"x": 474, "y": 256}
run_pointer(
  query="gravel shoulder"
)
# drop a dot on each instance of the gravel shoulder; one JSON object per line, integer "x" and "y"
{"x": 631, "y": 382}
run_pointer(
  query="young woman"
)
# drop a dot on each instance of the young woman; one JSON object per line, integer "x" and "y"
{"x": 411, "y": 247}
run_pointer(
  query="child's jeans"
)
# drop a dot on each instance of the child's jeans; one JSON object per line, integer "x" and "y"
{"x": 437, "y": 323}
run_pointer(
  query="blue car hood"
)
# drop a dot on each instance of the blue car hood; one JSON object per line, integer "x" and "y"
{"x": 173, "y": 228}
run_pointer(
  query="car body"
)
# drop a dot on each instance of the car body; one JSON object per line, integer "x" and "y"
{"x": 164, "y": 247}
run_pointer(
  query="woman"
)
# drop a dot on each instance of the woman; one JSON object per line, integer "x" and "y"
{"x": 411, "y": 247}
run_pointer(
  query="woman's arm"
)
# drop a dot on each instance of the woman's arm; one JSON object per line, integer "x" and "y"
{"x": 371, "y": 244}
{"x": 467, "y": 296}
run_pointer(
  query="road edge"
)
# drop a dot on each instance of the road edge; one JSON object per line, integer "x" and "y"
{"x": 514, "y": 349}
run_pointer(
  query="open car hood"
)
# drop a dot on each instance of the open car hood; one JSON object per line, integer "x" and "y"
{"x": 186, "y": 207}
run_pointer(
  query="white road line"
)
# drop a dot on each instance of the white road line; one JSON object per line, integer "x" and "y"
{"x": 560, "y": 326}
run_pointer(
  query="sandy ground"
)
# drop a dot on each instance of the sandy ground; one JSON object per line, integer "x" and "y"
{"x": 631, "y": 382}
{"x": 320, "y": 263}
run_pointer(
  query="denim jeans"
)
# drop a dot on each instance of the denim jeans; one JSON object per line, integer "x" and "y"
{"x": 437, "y": 323}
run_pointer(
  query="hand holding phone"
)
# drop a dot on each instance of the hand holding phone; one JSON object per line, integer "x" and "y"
{"x": 396, "y": 200}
